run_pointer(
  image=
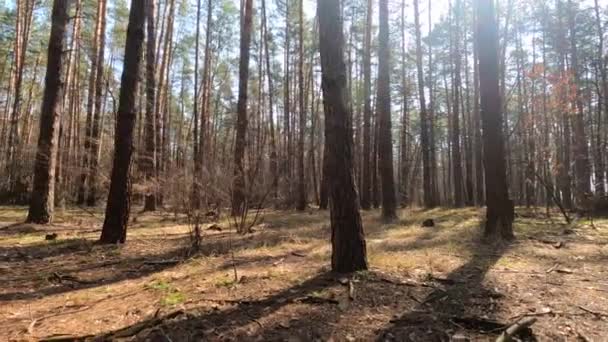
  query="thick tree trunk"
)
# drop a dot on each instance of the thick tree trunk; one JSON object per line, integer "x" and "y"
{"x": 348, "y": 240}
{"x": 42, "y": 199}
{"x": 239, "y": 195}
{"x": 117, "y": 210}
{"x": 385, "y": 143}
{"x": 324, "y": 192}
{"x": 500, "y": 211}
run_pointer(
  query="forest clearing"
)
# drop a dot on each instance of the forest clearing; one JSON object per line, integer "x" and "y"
{"x": 424, "y": 284}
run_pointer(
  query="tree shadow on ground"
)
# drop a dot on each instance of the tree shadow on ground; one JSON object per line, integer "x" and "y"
{"x": 56, "y": 267}
{"x": 457, "y": 306}
{"x": 462, "y": 293}
{"x": 210, "y": 324}
{"x": 56, "y": 277}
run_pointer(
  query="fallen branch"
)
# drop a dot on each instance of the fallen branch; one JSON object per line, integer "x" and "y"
{"x": 555, "y": 199}
{"x": 515, "y": 328}
{"x": 596, "y": 313}
{"x": 162, "y": 262}
{"x": 317, "y": 300}
{"x": 409, "y": 283}
{"x": 58, "y": 277}
{"x": 137, "y": 328}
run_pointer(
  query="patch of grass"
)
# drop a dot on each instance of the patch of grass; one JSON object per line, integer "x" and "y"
{"x": 160, "y": 285}
{"x": 23, "y": 239}
{"x": 173, "y": 298}
{"x": 226, "y": 281}
{"x": 392, "y": 260}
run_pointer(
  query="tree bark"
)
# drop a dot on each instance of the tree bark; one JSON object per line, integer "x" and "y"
{"x": 149, "y": 161}
{"x": 302, "y": 200}
{"x": 581, "y": 151}
{"x": 456, "y": 148}
{"x": 117, "y": 210}
{"x": 238, "y": 191}
{"x": 367, "y": 111}
{"x": 274, "y": 171}
{"x": 43, "y": 194}
{"x": 348, "y": 240}
{"x": 385, "y": 143}
{"x": 427, "y": 183}
{"x": 500, "y": 211}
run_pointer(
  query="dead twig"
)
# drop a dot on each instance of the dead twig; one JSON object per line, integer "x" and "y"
{"x": 137, "y": 328}
{"x": 162, "y": 262}
{"x": 593, "y": 312}
{"x": 515, "y": 328}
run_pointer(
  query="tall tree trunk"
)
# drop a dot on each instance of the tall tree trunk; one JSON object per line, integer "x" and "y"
{"x": 117, "y": 210}
{"x": 42, "y": 200}
{"x": 23, "y": 24}
{"x": 239, "y": 201}
{"x": 205, "y": 95}
{"x": 427, "y": 183}
{"x": 479, "y": 182}
{"x": 273, "y": 144}
{"x": 600, "y": 178}
{"x": 90, "y": 107}
{"x": 301, "y": 205}
{"x": 383, "y": 102}
{"x": 286, "y": 169}
{"x": 196, "y": 186}
{"x": 367, "y": 111}
{"x": 456, "y": 153}
{"x": 500, "y": 212}
{"x": 149, "y": 161}
{"x": 348, "y": 240}
{"x": 431, "y": 114}
{"x": 98, "y": 111}
{"x": 405, "y": 150}
{"x": 564, "y": 145}
{"x": 581, "y": 151}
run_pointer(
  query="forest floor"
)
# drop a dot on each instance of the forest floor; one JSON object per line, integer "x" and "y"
{"x": 424, "y": 284}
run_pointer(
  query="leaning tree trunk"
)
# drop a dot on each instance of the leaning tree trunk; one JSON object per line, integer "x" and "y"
{"x": 348, "y": 240}
{"x": 117, "y": 210}
{"x": 385, "y": 142}
{"x": 500, "y": 211}
{"x": 42, "y": 199}
{"x": 238, "y": 187}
